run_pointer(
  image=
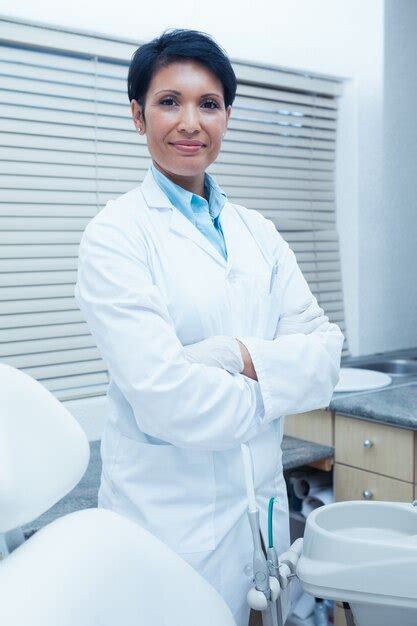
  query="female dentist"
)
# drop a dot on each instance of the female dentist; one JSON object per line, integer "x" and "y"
{"x": 205, "y": 322}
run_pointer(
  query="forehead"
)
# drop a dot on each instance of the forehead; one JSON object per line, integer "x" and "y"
{"x": 183, "y": 76}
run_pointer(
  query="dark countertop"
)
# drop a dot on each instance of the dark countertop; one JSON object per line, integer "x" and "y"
{"x": 395, "y": 404}
{"x": 295, "y": 452}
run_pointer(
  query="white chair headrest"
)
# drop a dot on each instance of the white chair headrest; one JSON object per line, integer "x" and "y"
{"x": 43, "y": 450}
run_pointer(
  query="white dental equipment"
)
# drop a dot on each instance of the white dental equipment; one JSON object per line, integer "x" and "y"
{"x": 91, "y": 567}
{"x": 265, "y": 595}
{"x": 364, "y": 554}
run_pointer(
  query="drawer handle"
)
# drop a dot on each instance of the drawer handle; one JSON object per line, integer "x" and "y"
{"x": 367, "y": 444}
{"x": 367, "y": 495}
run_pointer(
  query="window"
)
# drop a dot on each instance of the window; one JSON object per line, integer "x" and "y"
{"x": 67, "y": 145}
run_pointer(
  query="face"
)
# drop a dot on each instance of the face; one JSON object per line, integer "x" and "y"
{"x": 184, "y": 103}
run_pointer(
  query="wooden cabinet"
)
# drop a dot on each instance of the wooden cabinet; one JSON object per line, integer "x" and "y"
{"x": 316, "y": 426}
{"x": 372, "y": 460}
{"x": 375, "y": 447}
{"x": 351, "y": 483}
{"x": 339, "y": 618}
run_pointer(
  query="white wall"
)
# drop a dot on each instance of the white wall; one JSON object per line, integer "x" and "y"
{"x": 393, "y": 245}
{"x": 338, "y": 37}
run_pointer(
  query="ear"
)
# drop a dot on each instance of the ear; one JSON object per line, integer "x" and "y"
{"x": 137, "y": 114}
{"x": 228, "y": 113}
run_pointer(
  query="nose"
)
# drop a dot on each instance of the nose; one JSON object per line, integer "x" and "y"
{"x": 190, "y": 119}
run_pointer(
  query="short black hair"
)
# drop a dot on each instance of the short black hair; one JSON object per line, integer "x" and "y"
{"x": 175, "y": 45}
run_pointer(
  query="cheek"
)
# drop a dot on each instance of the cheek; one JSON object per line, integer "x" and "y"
{"x": 215, "y": 142}
{"x": 156, "y": 142}
{"x": 157, "y": 128}
{"x": 216, "y": 130}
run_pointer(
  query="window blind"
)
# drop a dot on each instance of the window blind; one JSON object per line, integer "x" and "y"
{"x": 67, "y": 145}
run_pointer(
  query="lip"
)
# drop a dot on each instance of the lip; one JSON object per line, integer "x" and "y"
{"x": 187, "y": 148}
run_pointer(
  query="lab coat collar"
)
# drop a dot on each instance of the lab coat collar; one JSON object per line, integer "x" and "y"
{"x": 178, "y": 223}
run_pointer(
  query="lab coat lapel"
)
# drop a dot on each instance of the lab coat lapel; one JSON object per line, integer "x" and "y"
{"x": 178, "y": 223}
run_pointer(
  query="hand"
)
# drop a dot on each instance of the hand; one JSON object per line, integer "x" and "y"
{"x": 218, "y": 351}
{"x": 306, "y": 319}
{"x": 248, "y": 369}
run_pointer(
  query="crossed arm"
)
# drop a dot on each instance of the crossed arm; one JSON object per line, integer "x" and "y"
{"x": 224, "y": 352}
{"x": 298, "y": 369}
{"x": 190, "y": 404}
{"x": 232, "y": 355}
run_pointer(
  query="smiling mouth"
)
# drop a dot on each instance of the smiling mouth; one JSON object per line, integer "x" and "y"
{"x": 183, "y": 149}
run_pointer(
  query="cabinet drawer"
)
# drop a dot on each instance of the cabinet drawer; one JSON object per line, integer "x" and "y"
{"x": 375, "y": 447}
{"x": 316, "y": 426}
{"x": 351, "y": 483}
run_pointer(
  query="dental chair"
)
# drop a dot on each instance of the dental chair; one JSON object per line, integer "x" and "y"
{"x": 89, "y": 568}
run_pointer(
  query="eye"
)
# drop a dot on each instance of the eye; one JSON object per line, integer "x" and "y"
{"x": 166, "y": 99}
{"x": 216, "y": 106}
{"x": 169, "y": 100}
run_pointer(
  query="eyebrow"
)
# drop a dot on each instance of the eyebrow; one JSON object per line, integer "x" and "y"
{"x": 178, "y": 93}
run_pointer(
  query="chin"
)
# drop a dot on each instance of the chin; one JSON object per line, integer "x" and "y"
{"x": 186, "y": 169}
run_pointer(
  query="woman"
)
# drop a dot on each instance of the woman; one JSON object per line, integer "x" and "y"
{"x": 206, "y": 324}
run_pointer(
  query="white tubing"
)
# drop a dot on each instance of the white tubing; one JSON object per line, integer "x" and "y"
{"x": 248, "y": 469}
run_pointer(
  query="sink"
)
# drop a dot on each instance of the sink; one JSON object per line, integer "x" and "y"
{"x": 364, "y": 553}
{"x": 394, "y": 367}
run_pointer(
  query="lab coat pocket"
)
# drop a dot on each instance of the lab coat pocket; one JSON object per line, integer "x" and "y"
{"x": 253, "y": 303}
{"x": 273, "y": 304}
{"x": 168, "y": 490}
{"x": 268, "y": 303}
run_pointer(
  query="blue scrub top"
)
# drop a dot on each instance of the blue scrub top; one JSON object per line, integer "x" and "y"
{"x": 204, "y": 215}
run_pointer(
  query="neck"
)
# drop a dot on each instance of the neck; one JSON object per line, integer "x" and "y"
{"x": 194, "y": 184}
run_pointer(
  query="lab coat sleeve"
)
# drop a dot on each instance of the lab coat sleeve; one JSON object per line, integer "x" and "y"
{"x": 298, "y": 369}
{"x": 190, "y": 405}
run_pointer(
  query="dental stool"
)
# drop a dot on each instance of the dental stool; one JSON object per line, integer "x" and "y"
{"x": 89, "y": 568}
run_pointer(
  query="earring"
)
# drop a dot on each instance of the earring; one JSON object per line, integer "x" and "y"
{"x": 139, "y": 129}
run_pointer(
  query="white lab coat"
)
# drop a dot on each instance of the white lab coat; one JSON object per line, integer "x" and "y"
{"x": 148, "y": 283}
